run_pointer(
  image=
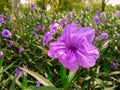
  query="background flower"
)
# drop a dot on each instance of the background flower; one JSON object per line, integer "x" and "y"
{"x": 6, "y": 33}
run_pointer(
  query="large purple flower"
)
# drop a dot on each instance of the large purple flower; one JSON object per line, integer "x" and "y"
{"x": 74, "y": 48}
{"x": 6, "y": 33}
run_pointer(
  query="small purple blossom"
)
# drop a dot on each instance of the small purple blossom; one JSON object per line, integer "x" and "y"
{"x": 103, "y": 22}
{"x": 20, "y": 49}
{"x": 103, "y": 36}
{"x": 62, "y": 21}
{"x": 35, "y": 36}
{"x": 89, "y": 10}
{"x": 46, "y": 38}
{"x": 1, "y": 53}
{"x": 74, "y": 48}
{"x": 33, "y": 7}
{"x": 18, "y": 71}
{"x": 6, "y": 33}
{"x": 114, "y": 66}
{"x": 37, "y": 84}
{"x": 1, "y": 20}
{"x": 98, "y": 13}
{"x": 11, "y": 43}
{"x": 96, "y": 20}
{"x": 38, "y": 8}
{"x": 54, "y": 27}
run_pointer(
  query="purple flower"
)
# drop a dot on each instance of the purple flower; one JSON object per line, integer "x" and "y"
{"x": 1, "y": 20}
{"x": 11, "y": 43}
{"x": 114, "y": 66}
{"x": 18, "y": 71}
{"x": 6, "y": 33}
{"x": 73, "y": 10}
{"x": 46, "y": 38}
{"x": 62, "y": 21}
{"x": 38, "y": 8}
{"x": 32, "y": 6}
{"x": 35, "y": 36}
{"x": 20, "y": 49}
{"x": 54, "y": 27}
{"x": 1, "y": 53}
{"x": 103, "y": 22}
{"x": 74, "y": 48}
{"x": 103, "y": 35}
{"x": 37, "y": 84}
{"x": 89, "y": 10}
{"x": 98, "y": 13}
{"x": 96, "y": 20}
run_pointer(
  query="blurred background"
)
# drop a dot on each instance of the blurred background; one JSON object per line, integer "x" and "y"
{"x": 61, "y": 5}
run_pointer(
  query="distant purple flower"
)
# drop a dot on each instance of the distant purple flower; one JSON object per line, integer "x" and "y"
{"x": 89, "y": 10}
{"x": 54, "y": 27}
{"x": 32, "y": 6}
{"x": 6, "y": 33}
{"x": 38, "y": 8}
{"x": 18, "y": 71}
{"x": 98, "y": 13}
{"x": 103, "y": 35}
{"x": 35, "y": 36}
{"x": 73, "y": 11}
{"x": 43, "y": 29}
{"x": 114, "y": 66}
{"x": 46, "y": 38}
{"x": 20, "y": 49}
{"x": 62, "y": 21}
{"x": 37, "y": 84}
{"x": 11, "y": 43}
{"x": 103, "y": 22}
{"x": 96, "y": 20}
{"x": 1, "y": 53}
{"x": 1, "y": 20}
{"x": 74, "y": 48}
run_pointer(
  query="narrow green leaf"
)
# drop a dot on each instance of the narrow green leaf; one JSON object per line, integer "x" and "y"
{"x": 43, "y": 88}
{"x": 1, "y": 60}
{"x": 12, "y": 86}
{"x": 39, "y": 77}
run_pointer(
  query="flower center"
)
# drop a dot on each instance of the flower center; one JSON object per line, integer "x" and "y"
{"x": 72, "y": 49}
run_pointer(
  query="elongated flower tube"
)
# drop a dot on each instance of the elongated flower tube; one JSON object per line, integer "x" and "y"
{"x": 74, "y": 47}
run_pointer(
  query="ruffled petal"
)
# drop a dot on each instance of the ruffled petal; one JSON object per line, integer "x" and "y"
{"x": 69, "y": 61}
{"x": 56, "y": 49}
{"x": 87, "y": 55}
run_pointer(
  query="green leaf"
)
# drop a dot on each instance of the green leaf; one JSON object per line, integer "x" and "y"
{"x": 43, "y": 88}
{"x": 1, "y": 60}
{"x": 39, "y": 77}
{"x": 12, "y": 86}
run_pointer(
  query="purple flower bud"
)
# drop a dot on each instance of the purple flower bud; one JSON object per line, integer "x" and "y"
{"x": 54, "y": 27}
{"x": 32, "y": 6}
{"x": 62, "y": 21}
{"x": 103, "y": 35}
{"x": 35, "y": 36}
{"x": 1, "y": 53}
{"x": 20, "y": 49}
{"x": 96, "y": 20}
{"x": 11, "y": 43}
{"x": 103, "y": 22}
{"x": 1, "y": 20}
{"x": 37, "y": 84}
{"x": 38, "y": 8}
{"x": 18, "y": 71}
{"x": 46, "y": 38}
{"x": 98, "y": 13}
{"x": 89, "y": 10}
{"x": 114, "y": 66}
{"x": 6, "y": 33}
